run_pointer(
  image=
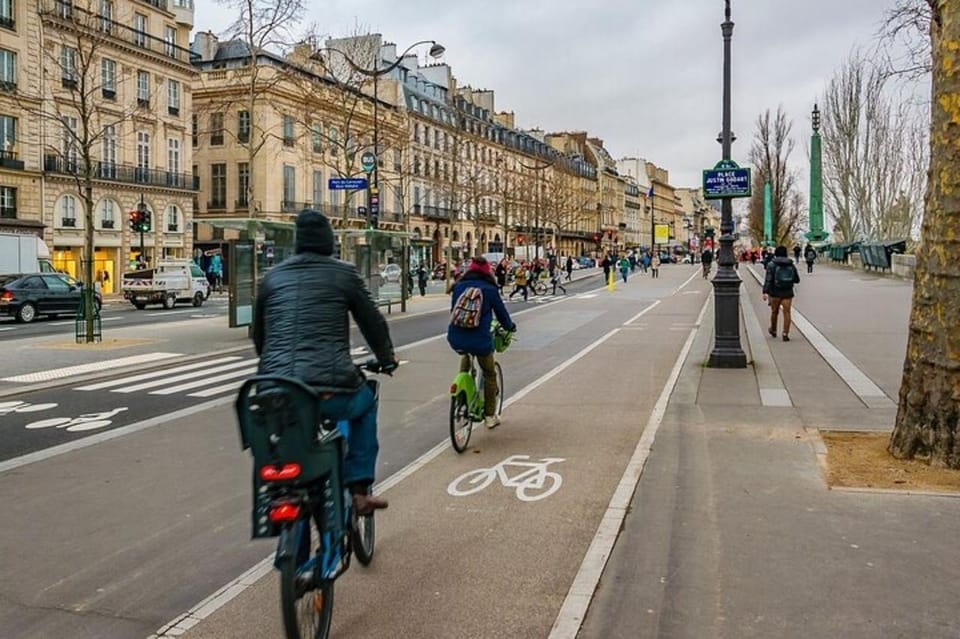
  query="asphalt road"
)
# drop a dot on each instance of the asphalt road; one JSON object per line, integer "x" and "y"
{"x": 38, "y": 420}
{"x": 115, "y": 314}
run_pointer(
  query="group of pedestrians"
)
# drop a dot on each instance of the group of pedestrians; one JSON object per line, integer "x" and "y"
{"x": 630, "y": 263}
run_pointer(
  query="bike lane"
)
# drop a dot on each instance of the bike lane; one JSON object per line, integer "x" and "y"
{"x": 496, "y": 558}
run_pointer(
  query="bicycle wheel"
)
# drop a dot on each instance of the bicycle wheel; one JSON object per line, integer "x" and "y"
{"x": 460, "y": 423}
{"x": 307, "y": 610}
{"x": 363, "y": 533}
{"x": 499, "y": 373}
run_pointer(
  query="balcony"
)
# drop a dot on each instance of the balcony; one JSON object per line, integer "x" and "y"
{"x": 173, "y": 227}
{"x": 124, "y": 174}
{"x": 106, "y": 224}
{"x": 65, "y": 13}
{"x": 68, "y": 82}
{"x": 241, "y": 204}
{"x": 108, "y": 94}
{"x": 7, "y": 86}
{"x": 434, "y": 212}
{"x": 8, "y": 160}
{"x": 216, "y": 139}
{"x": 288, "y": 206}
{"x": 159, "y": 4}
{"x": 173, "y": 110}
{"x": 217, "y": 205}
{"x": 143, "y": 103}
{"x": 68, "y": 222}
{"x": 8, "y": 23}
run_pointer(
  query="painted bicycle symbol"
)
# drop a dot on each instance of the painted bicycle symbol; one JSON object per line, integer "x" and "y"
{"x": 7, "y": 408}
{"x": 90, "y": 421}
{"x": 532, "y": 484}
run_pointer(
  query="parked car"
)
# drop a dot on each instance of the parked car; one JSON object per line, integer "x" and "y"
{"x": 390, "y": 273}
{"x": 28, "y": 296}
{"x": 586, "y": 262}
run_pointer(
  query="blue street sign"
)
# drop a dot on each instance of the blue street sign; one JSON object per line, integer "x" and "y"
{"x": 346, "y": 184}
{"x": 726, "y": 180}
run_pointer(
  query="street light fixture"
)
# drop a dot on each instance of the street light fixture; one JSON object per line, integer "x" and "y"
{"x": 539, "y": 188}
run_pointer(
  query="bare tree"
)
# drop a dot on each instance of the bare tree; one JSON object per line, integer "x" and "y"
{"x": 770, "y": 154}
{"x": 874, "y": 153}
{"x": 928, "y": 419}
{"x": 77, "y": 88}
{"x": 904, "y": 39}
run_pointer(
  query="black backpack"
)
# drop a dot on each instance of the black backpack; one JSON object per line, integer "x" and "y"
{"x": 783, "y": 276}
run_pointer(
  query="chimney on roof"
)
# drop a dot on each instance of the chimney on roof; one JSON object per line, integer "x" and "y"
{"x": 205, "y": 44}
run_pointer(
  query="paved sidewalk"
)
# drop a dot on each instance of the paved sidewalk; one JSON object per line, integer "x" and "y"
{"x": 732, "y": 531}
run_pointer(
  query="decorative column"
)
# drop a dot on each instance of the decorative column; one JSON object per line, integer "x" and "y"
{"x": 816, "y": 232}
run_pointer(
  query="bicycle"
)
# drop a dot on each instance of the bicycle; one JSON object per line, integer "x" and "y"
{"x": 298, "y": 479}
{"x": 467, "y": 403}
{"x": 538, "y": 285}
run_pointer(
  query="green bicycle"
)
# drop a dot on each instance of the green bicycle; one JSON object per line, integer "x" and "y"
{"x": 467, "y": 403}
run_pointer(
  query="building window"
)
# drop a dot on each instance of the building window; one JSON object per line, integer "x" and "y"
{"x": 143, "y": 88}
{"x": 173, "y": 155}
{"x": 143, "y": 156}
{"x": 289, "y": 186}
{"x": 65, "y": 9}
{"x": 287, "y": 130}
{"x": 397, "y": 161}
{"x": 108, "y": 214}
{"x": 194, "y": 129}
{"x": 334, "y": 142}
{"x": 106, "y": 16}
{"x": 8, "y": 70}
{"x": 216, "y": 129}
{"x": 170, "y": 41}
{"x": 318, "y": 189}
{"x": 173, "y": 97}
{"x": 140, "y": 30}
{"x": 68, "y": 67}
{"x": 243, "y": 126}
{"x": 8, "y": 137}
{"x": 108, "y": 152}
{"x": 6, "y": 15}
{"x": 243, "y": 183}
{"x": 334, "y": 199}
{"x": 218, "y": 186}
{"x": 68, "y": 211}
{"x": 173, "y": 219}
{"x": 416, "y": 131}
{"x": 316, "y": 137}
{"x": 8, "y": 202}
{"x": 108, "y": 78}
{"x": 70, "y": 149}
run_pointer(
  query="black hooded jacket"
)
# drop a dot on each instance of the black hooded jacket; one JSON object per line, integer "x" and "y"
{"x": 770, "y": 283}
{"x": 301, "y": 325}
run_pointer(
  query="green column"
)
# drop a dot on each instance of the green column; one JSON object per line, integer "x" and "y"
{"x": 767, "y": 214}
{"x": 816, "y": 232}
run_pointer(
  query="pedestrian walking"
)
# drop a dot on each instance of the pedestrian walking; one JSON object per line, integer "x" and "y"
{"x": 633, "y": 261}
{"x": 796, "y": 253}
{"x": 706, "y": 260}
{"x": 766, "y": 258}
{"x": 607, "y": 264}
{"x": 624, "y": 265}
{"x": 655, "y": 265}
{"x": 778, "y": 286}
{"x": 556, "y": 280}
{"x": 501, "y": 274}
{"x": 520, "y": 282}
{"x": 422, "y": 276}
{"x": 569, "y": 268}
{"x": 810, "y": 255}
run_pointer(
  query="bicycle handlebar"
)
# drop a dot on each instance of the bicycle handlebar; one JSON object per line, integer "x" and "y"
{"x": 374, "y": 366}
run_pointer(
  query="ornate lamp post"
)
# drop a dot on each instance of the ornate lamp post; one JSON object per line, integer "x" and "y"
{"x": 816, "y": 232}
{"x": 727, "y": 352}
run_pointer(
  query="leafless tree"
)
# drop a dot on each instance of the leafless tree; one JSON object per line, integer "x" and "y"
{"x": 904, "y": 42}
{"x": 75, "y": 100}
{"x": 874, "y": 143}
{"x": 770, "y": 154}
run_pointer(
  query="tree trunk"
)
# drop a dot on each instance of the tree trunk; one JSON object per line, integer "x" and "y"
{"x": 926, "y": 425}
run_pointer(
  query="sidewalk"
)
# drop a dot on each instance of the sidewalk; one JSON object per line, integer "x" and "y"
{"x": 732, "y": 531}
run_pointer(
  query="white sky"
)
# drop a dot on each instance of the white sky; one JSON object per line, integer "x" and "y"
{"x": 643, "y": 75}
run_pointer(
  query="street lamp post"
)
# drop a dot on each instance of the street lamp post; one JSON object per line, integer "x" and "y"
{"x": 727, "y": 352}
{"x": 538, "y": 187}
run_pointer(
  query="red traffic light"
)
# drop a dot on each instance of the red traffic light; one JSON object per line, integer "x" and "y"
{"x": 520, "y": 239}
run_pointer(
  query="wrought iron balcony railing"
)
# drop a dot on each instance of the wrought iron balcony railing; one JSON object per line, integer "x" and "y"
{"x": 123, "y": 173}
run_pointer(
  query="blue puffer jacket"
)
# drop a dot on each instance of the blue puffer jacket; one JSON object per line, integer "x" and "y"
{"x": 478, "y": 341}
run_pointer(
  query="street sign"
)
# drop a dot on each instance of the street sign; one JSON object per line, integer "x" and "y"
{"x": 361, "y": 210}
{"x": 347, "y": 184}
{"x": 726, "y": 180}
{"x": 368, "y": 161}
{"x": 661, "y": 233}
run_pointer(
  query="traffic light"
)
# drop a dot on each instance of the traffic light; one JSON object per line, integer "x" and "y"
{"x": 709, "y": 232}
{"x": 145, "y": 222}
{"x": 596, "y": 238}
{"x": 134, "y": 217}
{"x": 374, "y": 202}
{"x": 520, "y": 240}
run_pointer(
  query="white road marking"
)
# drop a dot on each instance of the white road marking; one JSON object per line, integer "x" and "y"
{"x": 205, "y": 382}
{"x": 154, "y": 374}
{"x": 217, "y": 390}
{"x": 180, "y": 378}
{"x": 641, "y": 313}
{"x": 163, "y": 313}
{"x": 69, "y": 371}
{"x": 8, "y": 328}
{"x": 577, "y": 601}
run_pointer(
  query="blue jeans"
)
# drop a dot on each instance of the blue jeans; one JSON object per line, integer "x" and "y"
{"x": 360, "y": 408}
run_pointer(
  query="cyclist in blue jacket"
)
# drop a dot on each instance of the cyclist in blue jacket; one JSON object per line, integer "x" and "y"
{"x": 472, "y": 336}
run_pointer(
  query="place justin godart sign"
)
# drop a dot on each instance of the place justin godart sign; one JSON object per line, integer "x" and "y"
{"x": 726, "y": 180}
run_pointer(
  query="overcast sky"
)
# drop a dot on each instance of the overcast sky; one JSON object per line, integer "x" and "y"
{"x": 643, "y": 75}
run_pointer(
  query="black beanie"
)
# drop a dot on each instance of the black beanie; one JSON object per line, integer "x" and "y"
{"x": 314, "y": 233}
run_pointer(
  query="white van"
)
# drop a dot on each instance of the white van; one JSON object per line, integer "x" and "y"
{"x": 170, "y": 282}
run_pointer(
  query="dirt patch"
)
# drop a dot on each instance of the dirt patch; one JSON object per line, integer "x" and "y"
{"x": 861, "y": 460}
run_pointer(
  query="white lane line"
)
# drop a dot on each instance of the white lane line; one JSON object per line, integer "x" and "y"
{"x": 69, "y": 371}
{"x": 8, "y": 328}
{"x": 221, "y": 597}
{"x": 205, "y": 382}
{"x": 689, "y": 279}
{"x": 162, "y": 313}
{"x": 641, "y": 313}
{"x": 217, "y": 390}
{"x": 862, "y": 386}
{"x": 154, "y": 374}
{"x": 183, "y": 377}
{"x": 575, "y": 605}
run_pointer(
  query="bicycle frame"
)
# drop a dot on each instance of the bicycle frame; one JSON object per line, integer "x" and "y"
{"x": 467, "y": 384}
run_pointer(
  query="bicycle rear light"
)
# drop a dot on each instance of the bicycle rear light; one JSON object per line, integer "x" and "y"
{"x": 278, "y": 472}
{"x": 284, "y": 512}
{"x": 453, "y": 388}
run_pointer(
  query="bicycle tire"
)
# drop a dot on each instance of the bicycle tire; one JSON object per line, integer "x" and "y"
{"x": 460, "y": 422}
{"x": 363, "y": 537}
{"x": 309, "y": 610}
{"x": 499, "y": 373}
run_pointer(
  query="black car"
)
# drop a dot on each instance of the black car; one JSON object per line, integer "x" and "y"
{"x": 27, "y": 296}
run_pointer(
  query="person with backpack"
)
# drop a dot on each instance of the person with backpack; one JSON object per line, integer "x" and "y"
{"x": 474, "y": 302}
{"x": 520, "y": 282}
{"x": 810, "y": 255}
{"x": 778, "y": 285}
{"x": 624, "y": 266}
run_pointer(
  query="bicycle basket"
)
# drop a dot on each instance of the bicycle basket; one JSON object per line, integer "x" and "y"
{"x": 501, "y": 338}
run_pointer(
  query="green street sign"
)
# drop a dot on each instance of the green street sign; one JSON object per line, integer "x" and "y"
{"x": 368, "y": 161}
